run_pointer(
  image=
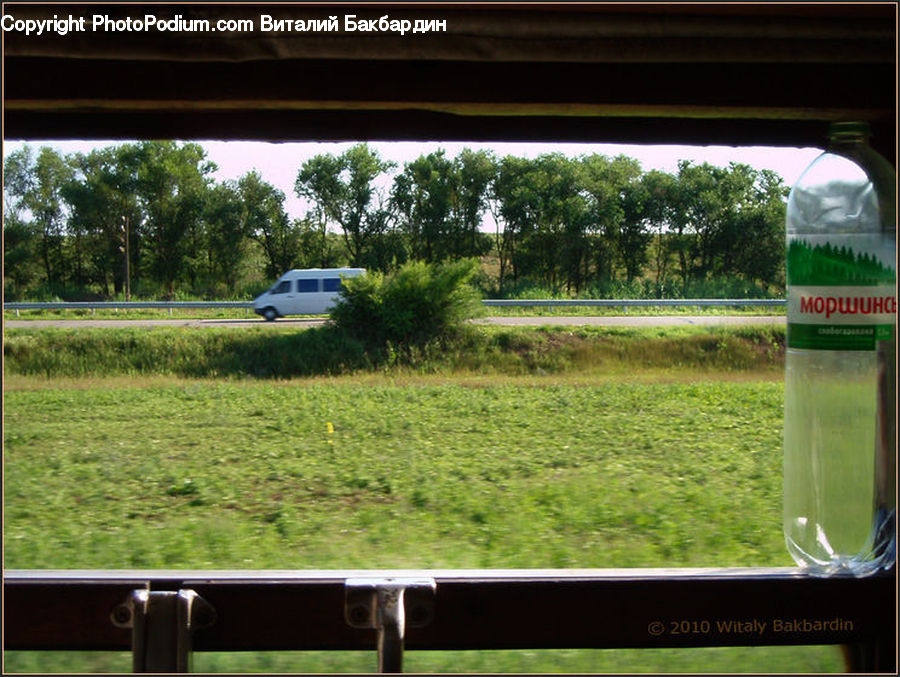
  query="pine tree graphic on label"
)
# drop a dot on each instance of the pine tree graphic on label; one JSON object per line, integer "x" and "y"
{"x": 825, "y": 265}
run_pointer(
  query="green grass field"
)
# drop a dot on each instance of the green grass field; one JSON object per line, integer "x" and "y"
{"x": 249, "y": 475}
{"x": 601, "y": 457}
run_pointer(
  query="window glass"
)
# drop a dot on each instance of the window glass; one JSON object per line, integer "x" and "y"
{"x": 498, "y": 475}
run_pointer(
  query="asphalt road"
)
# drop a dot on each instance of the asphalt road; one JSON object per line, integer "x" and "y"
{"x": 610, "y": 321}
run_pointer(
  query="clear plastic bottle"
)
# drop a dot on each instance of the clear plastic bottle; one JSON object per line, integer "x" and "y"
{"x": 840, "y": 377}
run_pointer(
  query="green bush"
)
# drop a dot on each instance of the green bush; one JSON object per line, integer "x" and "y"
{"x": 418, "y": 305}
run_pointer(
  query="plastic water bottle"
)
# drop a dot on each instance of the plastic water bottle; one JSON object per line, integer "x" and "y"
{"x": 840, "y": 377}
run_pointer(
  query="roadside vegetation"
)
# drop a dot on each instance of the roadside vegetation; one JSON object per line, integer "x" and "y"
{"x": 490, "y": 311}
{"x": 283, "y": 353}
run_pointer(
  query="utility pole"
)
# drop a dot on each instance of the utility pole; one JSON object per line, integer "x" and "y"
{"x": 127, "y": 251}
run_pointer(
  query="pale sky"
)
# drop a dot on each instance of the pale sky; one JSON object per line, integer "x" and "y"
{"x": 278, "y": 163}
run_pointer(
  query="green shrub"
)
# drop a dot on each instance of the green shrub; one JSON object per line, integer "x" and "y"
{"x": 418, "y": 305}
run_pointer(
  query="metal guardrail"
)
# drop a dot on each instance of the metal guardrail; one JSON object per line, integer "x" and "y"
{"x": 124, "y": 305}
{"x": 170, "y": 305}
{"x": 145, "y": 611}
{"x": 627, "y": 303}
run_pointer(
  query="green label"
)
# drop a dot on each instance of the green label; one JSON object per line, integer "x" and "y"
{"x": 841, "y": 292}
{"x": 827, "y": 264}
{"x": 837, "y": 336}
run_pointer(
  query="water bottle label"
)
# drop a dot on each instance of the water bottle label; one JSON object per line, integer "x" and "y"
{"x": 832, "y": 263}
{"x": 840, "y": 317}
{"x": 841, "y": 292}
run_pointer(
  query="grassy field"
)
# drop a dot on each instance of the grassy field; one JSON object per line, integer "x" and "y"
{"x": 747, "y": 660}
{"x": 249, "y": 475}
{"x": 579, "y": 449}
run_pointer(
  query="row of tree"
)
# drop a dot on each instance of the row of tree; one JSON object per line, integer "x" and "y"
{"x": 151, "y": 212}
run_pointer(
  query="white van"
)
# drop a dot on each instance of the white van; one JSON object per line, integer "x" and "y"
{"x": 310, "y": 291}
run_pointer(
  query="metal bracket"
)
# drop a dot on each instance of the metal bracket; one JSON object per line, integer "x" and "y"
{"x": 161, "y": 625}
{"x": 389, "y": 605}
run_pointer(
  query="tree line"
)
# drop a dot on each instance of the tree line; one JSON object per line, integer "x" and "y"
{"x": 567, "y": 225}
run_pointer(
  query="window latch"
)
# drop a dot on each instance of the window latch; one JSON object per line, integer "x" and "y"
{"x": 162, "y": 624}
{"x": 389, "y": 605}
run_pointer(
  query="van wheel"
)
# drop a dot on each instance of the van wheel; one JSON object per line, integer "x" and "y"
{"x": 270, "y": 314}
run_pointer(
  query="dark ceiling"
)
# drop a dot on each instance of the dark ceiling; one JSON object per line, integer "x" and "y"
{"x": 735, "y": 74}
